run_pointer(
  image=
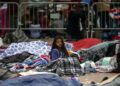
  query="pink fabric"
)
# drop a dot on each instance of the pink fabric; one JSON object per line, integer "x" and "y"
{"x": 42, "y": 57}
{"x": 37, "y": 60}
{"x": 86, "y": 43}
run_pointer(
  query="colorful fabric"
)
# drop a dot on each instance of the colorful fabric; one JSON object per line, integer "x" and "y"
{"x": 36, "y": 58}
{"x": 30, "y": 62}
{"x": 69, "y": 46}
{"x": 115, "y": 13}
{"x": 47, "y": 57}
{"x": 35, "y": 47}
{"x": 21, "y": 67}
{"x": 64, "y": 66}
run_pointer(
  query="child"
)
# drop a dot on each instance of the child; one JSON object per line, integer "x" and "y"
{"x": 58, "y": 49}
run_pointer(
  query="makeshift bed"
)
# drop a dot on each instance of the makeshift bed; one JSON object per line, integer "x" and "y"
{"x": 18, "y": 59}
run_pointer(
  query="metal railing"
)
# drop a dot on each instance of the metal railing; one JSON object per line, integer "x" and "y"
{"x": 99, "y": 17}
{"x": 105, "y": 17}
{"x": 53, "y": 15}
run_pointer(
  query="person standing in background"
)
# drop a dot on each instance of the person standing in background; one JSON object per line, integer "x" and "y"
{"x": 103, "y": 13}
{"x": 26, "y": 22}
{"x": 73, "y": 28}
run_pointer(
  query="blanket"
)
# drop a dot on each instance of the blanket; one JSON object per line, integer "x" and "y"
{"x": 86, "y": 43}
{"x": 35, "y": 47}
{"x": 63, "y": 66}
{"x": 40, "y": 80}
{"x": 96, "y": 52}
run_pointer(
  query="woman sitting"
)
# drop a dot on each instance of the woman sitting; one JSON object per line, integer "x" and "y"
{"x": 58, "y": 49}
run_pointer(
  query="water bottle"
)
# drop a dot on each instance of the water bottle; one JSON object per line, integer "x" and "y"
{"x": 75, "y": 80}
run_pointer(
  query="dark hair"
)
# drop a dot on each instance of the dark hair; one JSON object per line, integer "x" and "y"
{"x": 63, "y": 48}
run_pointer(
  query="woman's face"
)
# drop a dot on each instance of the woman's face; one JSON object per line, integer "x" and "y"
{"x": 59, "y": 43}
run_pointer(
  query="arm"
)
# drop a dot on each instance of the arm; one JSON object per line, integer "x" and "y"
{"x": 55, "y": 54}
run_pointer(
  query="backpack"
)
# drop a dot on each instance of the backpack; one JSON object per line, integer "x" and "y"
{"x": 17, "y": 36}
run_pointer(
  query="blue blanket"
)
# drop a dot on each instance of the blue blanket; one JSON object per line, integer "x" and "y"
{"x": 40, "y": 80}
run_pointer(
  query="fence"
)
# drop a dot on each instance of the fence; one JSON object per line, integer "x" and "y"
{"x": 54, "y": 16}
{"x": 8, "y": 16}
{"x": 105, "y": 18}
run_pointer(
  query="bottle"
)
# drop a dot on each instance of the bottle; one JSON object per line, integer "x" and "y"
{"x": 75, "y": 80}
